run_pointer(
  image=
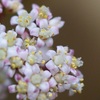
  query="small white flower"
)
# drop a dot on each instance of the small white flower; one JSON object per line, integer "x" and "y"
{"x": 24, "y": 20}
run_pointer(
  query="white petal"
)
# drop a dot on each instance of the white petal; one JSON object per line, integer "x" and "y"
{"x": 34, "y": 32}
{"x": 54, "y": 30}
{"x": 14, "y": 20}
{"x": 2, "y": 28}
{"x": 52, "y": 82}
{"x": 40, "y": 42}
{"x": 34, "y": 14}
{"x": 28, "y": 70}
{"x": 35, "y": 69}
{"x": 35, "y": 6}
{"x": 61, "y": 88}
{"x": 65, "y": 68}
{"x": 3, "y": 43}
{"x": 20, "y": 12}
{"x": 49, "y": 42}
{"x": 23, "y": 54}
{"x": 44, "y": 87}
{"x": 31, "y": 49}
{"x": 12, "y": 51}
{"x": 46, "y": 74}
{"x": 31, "y": 26}
{"x": 32, "y": 92}
{"x": 51, "y": 53}
{"x": 20, "y": 30}
{"x": 43, "y": 23}
{"x": 54, "y": 21}
{"x": 61, "y": 24}
{"x": 19, "y": 42}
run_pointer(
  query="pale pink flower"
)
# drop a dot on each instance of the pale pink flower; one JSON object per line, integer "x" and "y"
{"x": 43, "y": 12}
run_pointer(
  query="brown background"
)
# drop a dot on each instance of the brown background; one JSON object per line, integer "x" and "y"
{"x": 81, "y": 32}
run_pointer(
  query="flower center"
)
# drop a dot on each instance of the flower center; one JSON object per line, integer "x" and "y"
{"x": 11, "y": 38}
{"x": 28, "y": 42}
{"x": 73, "y": 64}
{"x": 59, "y": 60}
{"x": 58, "y": 77}
{"x": 31, "y": 59}
{"x": 24, "y": 20}
{"x": 44, "y": 34}
{"x": 42, "y": 96}
{"x": 43, "y": 12}
{"x": 16, "y": 62}
{"x": 36, "y": 79}
{"x": 22, "y": 87}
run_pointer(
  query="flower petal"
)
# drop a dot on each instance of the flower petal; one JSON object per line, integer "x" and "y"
{"x": 35, "y": 69}
{"x": 44, "y": 86}
{"x": 11, "y": 72}
{"x": 12, "y": 88}
{"x": 40, "y": 42}
{"x": 43, "y": 23}
{"x": 20, "y": 30}
{"x": 14, "y": 20}
{"x": 52, "y": 82}
{"x": 51, "y": 53}
{"x": 49, "y": 42}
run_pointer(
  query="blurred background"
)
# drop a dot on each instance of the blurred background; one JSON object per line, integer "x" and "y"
{"x": 81, "y": 32}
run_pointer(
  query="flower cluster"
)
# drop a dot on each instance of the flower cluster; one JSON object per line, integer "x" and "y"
{"x": 40, "y": 72}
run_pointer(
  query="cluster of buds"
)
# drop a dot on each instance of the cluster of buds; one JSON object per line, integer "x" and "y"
{"x": 25, "y": 52}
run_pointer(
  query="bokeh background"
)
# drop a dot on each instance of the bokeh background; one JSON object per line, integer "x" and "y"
{"x": 81, "y": 32}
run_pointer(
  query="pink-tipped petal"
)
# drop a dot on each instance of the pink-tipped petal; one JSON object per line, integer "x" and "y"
{"x": 12, "y": 88}
{"x": 35, "y": 6}
{"x": 21, "y": 96}
{"x": 18, "y": 77}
